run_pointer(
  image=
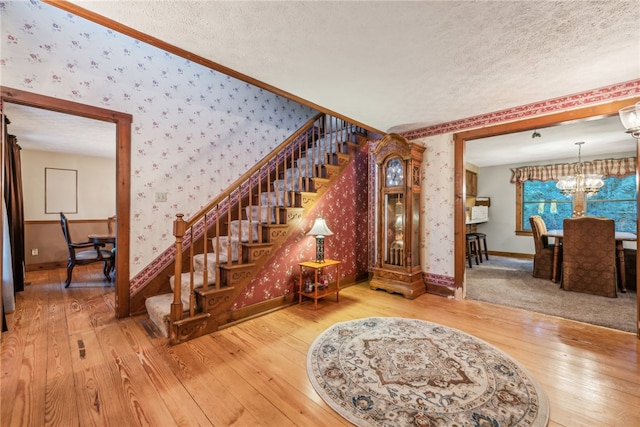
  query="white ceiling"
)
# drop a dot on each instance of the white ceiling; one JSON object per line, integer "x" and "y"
{"x": 601, "y": 136}
{"x": 397, "y": 66}
{"x": 44, "y": 130}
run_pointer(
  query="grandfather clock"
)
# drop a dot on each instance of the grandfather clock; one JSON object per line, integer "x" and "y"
{"x": 397, "y": 264}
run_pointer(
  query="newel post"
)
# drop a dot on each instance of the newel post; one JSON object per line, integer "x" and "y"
{"x": 179, "y": 228}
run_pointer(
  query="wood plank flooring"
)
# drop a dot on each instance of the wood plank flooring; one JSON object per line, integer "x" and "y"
{"x": 67, "y": 362}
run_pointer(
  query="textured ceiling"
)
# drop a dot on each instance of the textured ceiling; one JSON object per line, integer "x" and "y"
{"x": 602, "y": 136}
{"x": 44, "y": 130}
{"x": 397, "y": 66}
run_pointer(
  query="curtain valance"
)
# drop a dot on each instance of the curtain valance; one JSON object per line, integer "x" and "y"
{"x": 618, "y": 168}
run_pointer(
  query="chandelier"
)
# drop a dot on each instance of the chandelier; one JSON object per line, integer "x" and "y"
{"x": 587, "y": 183}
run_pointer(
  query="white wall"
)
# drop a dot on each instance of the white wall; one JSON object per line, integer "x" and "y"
{"x": 495, "y": 182}
{"x": 96, "y": 184}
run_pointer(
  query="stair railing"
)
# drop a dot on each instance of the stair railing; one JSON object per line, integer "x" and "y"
{"x": 268, "y": 186}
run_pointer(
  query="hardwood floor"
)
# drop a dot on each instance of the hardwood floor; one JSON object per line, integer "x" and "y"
{"x": 67, "y": 362}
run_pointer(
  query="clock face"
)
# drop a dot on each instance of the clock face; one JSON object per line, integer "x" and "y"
{"x": 395, "y": 173}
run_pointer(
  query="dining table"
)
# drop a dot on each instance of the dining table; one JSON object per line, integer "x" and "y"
{"x": 102, "y": 239}
{"x": 621, "y": 237}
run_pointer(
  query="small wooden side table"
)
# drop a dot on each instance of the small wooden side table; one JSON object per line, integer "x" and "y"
{"x": 316, "y": 293}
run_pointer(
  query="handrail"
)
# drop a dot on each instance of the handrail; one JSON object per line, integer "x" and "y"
{"x": 243, "y": 178}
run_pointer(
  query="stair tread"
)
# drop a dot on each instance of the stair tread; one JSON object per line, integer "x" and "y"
{"x": 212, "y": 290}
{"x": 236, "y": 266}
{"x": 257, "y": 244}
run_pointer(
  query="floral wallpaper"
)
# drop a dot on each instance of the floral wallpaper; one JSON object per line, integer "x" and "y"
{"x": 437, "y": 207}
{"x": 194, "y": 131}
{"x": 344, "y": 207}
{"x": 438, "y": 169}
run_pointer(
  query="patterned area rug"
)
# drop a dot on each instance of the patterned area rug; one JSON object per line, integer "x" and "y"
{"x": 389, "y": 371}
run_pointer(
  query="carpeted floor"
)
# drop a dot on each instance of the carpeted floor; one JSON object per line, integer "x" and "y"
{"x": 391, "y": 371}
{"x": 508, "y": 281}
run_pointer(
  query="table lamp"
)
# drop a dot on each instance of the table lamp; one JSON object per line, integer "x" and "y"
{"x": 319, "y": 230}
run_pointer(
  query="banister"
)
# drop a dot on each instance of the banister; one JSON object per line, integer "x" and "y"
{"x": 289, "y": 170}
{"x": 243, "y": 178}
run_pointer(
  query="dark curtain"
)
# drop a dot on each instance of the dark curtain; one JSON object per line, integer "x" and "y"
{"x": 15, "y": 212}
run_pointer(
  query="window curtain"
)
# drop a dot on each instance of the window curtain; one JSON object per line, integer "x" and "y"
{"x": 618, "y": 168}
{"x": 8, "y": 293}
{"x": 15, "y": 214}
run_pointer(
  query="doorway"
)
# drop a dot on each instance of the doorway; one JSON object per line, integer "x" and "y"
{"x": 460, "y": 140}
{"x": 123, "y": 167}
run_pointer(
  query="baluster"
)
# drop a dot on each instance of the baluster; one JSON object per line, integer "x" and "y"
{"x": 229, "y": 251}
{"x": 302, "y": 177}
{"x": 275, "y": 189}
{"x": 289, "y": 185}
{"x": 250, "y": 211}
{"x": 216, "y": 250}
{"x": 239, "y": 203}
{"x": 205, "y": 269}
{"x": 191, "y": 272}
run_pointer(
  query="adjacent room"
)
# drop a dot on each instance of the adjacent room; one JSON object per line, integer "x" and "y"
{"x": 507, "y": 229}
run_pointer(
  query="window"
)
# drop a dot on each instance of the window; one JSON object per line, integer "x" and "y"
{"x": 616, "y": 200}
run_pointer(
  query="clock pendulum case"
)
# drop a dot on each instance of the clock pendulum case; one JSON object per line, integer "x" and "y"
{"x": 397, "y": 247}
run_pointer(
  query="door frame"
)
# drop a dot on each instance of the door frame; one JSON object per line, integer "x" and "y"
{"x": 460, "y": 140}
{"x": 123, "y": 173}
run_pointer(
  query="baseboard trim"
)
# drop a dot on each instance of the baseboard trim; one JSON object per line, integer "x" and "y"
{"x": 512, "y": 254}
{"x": 46, "y": 266}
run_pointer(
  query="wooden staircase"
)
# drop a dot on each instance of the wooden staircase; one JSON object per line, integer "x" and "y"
{"x": 227, "y": 242}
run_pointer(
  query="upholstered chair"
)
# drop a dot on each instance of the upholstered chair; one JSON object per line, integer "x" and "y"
{"x": 589, "y": 256}
{"x": 543, "y": 259}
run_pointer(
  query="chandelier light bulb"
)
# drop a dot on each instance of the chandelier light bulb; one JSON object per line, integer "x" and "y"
{"x": 589, "y": 183}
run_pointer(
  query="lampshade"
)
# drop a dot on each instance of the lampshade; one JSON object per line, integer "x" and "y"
{"x": 319, "y": 228}
{"x": 588, "y": 183}
{"x": 630, "y": 118}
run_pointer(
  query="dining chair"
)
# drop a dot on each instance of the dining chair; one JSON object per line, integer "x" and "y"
{"x": 543, "y": 258}
{"x": 589, "y": 256}
{"x": 80, "y": 254}
{"x": 111, "y": 224}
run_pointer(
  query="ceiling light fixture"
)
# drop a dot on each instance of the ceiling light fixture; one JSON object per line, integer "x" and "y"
{"x": 630, "y": 118}
{"x": 587, "y": 183}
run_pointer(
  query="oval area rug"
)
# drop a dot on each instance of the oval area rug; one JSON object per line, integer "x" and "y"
{"x": 390, "y": 371}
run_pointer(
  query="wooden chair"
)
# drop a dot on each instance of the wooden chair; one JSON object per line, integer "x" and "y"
{"x": 543, "y": 259}
{"x": 111, "y": 224}
{"x": 589, "y": 256}
{"x": 77, "y": 256}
